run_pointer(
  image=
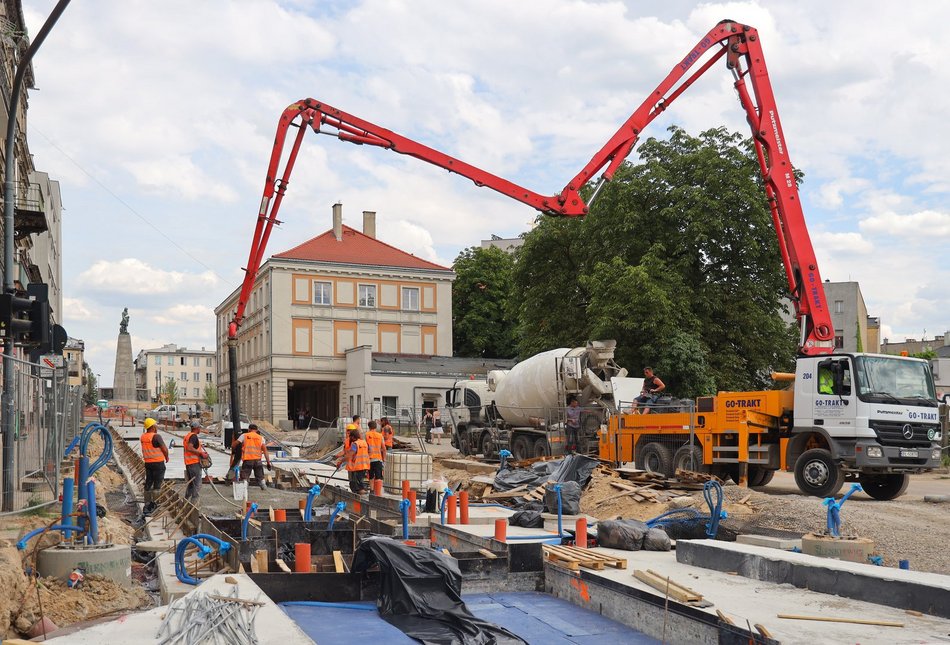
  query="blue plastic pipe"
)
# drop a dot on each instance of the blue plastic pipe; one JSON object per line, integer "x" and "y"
{"x": 336, "y": 511}
{"x": 331, "y": 605}
{"x": 107, "y": 446}
{"x": 504, "y": 454}
{"x": 203, "y": 552}
{"x": 81, "y": 488}
{"x": 246, "y": 520}
{"x": 67, "y": 501}
{"x": 834, "y": 510}
{"x": 445, "y": 498}
{"x": 308, "y": 512}
{"x": 404, "y": 507}
{"x": 557, "y": 489}
{"x": 62, "y": 528}
{"x": 93, "y": 535}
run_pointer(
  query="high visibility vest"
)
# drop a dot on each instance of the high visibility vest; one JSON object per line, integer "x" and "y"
{"x": 253, "y": 447}
{"x": 150, "y": 453}
{"x": 359, "y": 460}
{"x": 388, "y": 436}
{"x": 192, "y": 455}
{"x": 374, "y": 442}
{"x": 826, "y": 381}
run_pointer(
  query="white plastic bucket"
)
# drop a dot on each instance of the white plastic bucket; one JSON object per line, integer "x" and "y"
{"x": 294, "y": 452}
{"x": 239, "y": 490}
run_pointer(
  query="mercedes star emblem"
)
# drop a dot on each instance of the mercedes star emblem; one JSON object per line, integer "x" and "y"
{"x": 907, "y": 431}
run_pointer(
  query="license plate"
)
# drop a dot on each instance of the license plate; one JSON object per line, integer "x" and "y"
{"x": 908, "y": 453}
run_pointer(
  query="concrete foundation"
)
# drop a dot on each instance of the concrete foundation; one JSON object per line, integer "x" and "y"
{"x": 928, "y": 593}
{"x": 783, "y": 544}
{"x": 850, "y": 549}
{"x": 110, "y": 561}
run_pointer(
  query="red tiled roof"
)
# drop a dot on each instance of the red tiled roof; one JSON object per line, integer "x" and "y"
{"x": 355, "y": 248}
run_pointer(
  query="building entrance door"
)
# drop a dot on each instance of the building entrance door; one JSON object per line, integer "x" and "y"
{"x": 313, "y": 403}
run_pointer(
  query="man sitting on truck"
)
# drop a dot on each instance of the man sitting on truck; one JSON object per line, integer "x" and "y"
{"x": 652, "y": 386}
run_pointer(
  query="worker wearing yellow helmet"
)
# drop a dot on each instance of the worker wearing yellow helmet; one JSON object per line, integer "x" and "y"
{"x": 155, "y": 455}
{"x": 346, "y": 434}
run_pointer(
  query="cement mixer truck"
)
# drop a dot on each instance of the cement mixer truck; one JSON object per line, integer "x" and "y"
{"x": 523, "y": 409}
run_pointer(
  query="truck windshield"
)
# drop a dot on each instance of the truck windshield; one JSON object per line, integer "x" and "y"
{"x": 883, "y": 379}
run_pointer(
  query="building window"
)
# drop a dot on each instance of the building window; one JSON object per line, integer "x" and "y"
{"x": 195, "y": 390}
{"x": 184, "y": 360}
{"x": 197, "y": 376}
{"x": 184, "y": 376}
{"x": 171, "y": 360}
{"x": 197, "y": 362}
{"x": 389, "y": 406}
{"x": 839, "y": 339}
{"x": 208, "y": 363}
{"x": 158, "y": 360}
{"x": 410, "y": 298}
{"x": 839, "y": 306}
{"x": 208, "y": 377}
{"x": 321, "y": 293}
{"x": 367, "y": 295}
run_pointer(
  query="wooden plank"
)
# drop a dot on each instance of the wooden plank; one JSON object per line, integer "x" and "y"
{"x": 836, "y": 619}
{"x": 260, "y": 556}
{"x": 668, "y": 587}
{"x": 514, "y": 492}
{"x": 762, "y": 630}
{"x": 724, "y": 618}
{"x": 488, "y": 554}
{"x": 270, "y": 513}
{"x": 283, "y": 566}
{"x": 338, "y": 562}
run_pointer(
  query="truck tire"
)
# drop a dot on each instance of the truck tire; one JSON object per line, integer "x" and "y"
{"x": 541, "y": 447}
{"x": 485, "y": 443}
{"x": 521, "y": 448}
{"x": 885, "y": 487}
{"x": 817, "y": 474}
{"x": 656, "y": 458}
{"x": 759, "y": 476}
{"x": 689, "y": 457}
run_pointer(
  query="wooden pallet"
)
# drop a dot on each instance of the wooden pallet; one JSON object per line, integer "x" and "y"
{"x": 573, "y": 557}
{"x": 537, "y": 495}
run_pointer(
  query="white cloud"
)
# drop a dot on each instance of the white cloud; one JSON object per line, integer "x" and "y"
{"x": 185, "y": 315}
{"x": 850, "y": 243}
{"x": 75, "y": 309}
{"x": 133, "y": 276}
{"x": 926, "y": 224}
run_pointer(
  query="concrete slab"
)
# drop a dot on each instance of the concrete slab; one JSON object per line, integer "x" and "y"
{"x": 915, "y": 590}
{"x": 476, "y": 467}
{"x": 522, "y": 535}
{"x": 783, "y": 544}
{"x": 272, "y": 625}
{"x": 760, "y": 602}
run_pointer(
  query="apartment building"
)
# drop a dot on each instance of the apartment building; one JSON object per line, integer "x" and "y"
{"x": 191, "y": 369}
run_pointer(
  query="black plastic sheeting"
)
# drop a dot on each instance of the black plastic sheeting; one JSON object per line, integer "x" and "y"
{"x": 420, "y": 594}
{"x": 572, "y": 468}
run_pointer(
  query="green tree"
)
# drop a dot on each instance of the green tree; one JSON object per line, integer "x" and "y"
{"x": 170, "y": 391}
{"x": 677, "y": 261}
{"x": 90, "y": 394}
{"x": 483, "y": 323}
{"x": 211, "y": 394}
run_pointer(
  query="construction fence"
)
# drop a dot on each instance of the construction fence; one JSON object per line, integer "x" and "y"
{"x": 47, "y": 415}
{"x": 667, "y": 449}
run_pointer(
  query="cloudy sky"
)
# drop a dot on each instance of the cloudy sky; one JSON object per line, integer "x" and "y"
{"x": 158, "y": 118}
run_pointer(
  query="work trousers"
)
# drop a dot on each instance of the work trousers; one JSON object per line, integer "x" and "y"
{"x": 572, "y": 434}
{"x": 154, "y": 476}
{"x": 375, "y": 470}
{"x": 258, "y": 468}
{"x": 358, "y": 481}
{"x": 193, "y": 477}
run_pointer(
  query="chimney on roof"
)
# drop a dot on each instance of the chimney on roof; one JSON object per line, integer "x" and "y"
{"x": 369, "y": 224}
{"x": 338, "y": 221}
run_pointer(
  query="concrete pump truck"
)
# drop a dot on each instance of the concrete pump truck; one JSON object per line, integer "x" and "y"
{"x": 878, "y": 423}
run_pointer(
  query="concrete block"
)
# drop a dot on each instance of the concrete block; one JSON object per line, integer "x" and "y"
{"x": 785, "y": 544}
{"x": 850, "y": 549}
{"x": 470, "y": 466}
{"x": 113, "y": 561}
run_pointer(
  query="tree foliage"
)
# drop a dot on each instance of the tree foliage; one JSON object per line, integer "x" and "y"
{"x": 677, "y": 261}
{"x": 170, "y": 391}
{"x": 483, "y": 323}
{"x": 210, "y": 394}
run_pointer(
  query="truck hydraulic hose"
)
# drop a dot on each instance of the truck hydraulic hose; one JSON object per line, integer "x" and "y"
{"x": 246, "y": 520}
{"x": 62, "y": 528}
{"x": 93, "y": 535}
{"x": 404, "y": 507}
{"x": 834, "y": 510}
{"x": 311, "y": 494}
{"x": 336, "y": 511}
{"x": 203, "y": 551}
{"x": 445, "y": 498}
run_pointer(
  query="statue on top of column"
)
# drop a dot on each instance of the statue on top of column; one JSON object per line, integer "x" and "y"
{"x": 124, "y": 325}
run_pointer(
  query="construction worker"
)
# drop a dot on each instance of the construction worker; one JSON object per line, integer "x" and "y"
{"x": 572, "y": 424}
{"x": 346, "y": 437}
{"x": 377, "y": 453}
{"x": 357, "y": 462}
{"x": 194, "y": 452}
{"x": 650, "y": 392}
{"x": 826, "y": 380}
{"x": 155, "y": 456}
{"x": 388, "y": 434}
{"x": 253, "y": 448}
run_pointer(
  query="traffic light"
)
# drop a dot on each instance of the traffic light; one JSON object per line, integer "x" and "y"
{"x": 27, "y": 320}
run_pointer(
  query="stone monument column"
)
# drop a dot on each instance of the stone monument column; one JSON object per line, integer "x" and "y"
{"x": 123, "y": 384}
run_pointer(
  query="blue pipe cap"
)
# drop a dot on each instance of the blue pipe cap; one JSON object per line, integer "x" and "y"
{"x": 204, "y": 551}
{"x": 447, "y": 491}
{"x": 315, "y": 489}
{"x": 504, "y": 453}
{"x": 404, "y": 504}
{"x": 224, "y": 547}
{"x": 340, "y": 506}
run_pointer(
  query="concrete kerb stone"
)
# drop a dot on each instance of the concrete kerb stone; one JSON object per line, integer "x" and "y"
{"x": 924, "y": 592}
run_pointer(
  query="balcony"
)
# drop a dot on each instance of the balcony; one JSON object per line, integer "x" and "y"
{"x": 29, "y": 213}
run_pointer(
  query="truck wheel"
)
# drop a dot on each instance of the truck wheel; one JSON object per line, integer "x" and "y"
{"x": 817, "y": 474}
{"x": 488, "y": 450}
{"x": 656, "y": 458}
{"x": 689, "y": 457}
{"x": 759, "y": 476}
{"x": 541, "y": 448}
{"x": 884, "y": 487}
{"x": 521, "y": 448}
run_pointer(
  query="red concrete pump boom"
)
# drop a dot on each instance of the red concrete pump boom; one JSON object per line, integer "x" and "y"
{"x": 741, "y": 47}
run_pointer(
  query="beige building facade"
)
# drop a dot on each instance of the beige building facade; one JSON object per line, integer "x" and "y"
{"x": 192, "y": 370}
{"x": 312, "y": 304}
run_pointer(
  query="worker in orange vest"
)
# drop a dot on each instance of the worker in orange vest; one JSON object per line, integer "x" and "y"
{"x": 155, "y": 456}
{"x": 253, "y": 449}
{"x": 194, "y": 452}
{"x": 377, "y": 453}
{"x": 388, "y": 434}
{"x": 357, "y": 462}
